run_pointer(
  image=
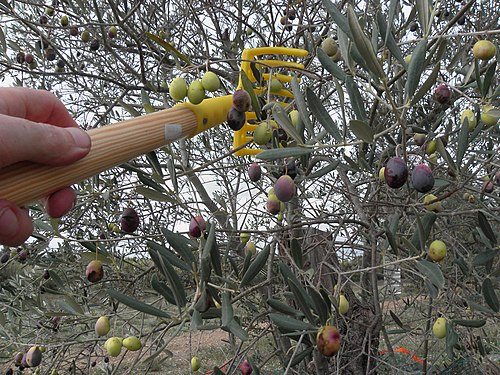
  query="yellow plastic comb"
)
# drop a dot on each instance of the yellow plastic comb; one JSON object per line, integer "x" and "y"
{"x": 240, "y": 137}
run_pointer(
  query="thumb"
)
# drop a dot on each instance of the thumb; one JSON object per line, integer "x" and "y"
{"x": 21, "y": 139}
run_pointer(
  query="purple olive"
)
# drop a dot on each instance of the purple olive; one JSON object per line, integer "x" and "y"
{"x": 442, "y": 94}
{"x": 254, "y": 172}
{"x": 273, "y": 205}
{"x": 5, "y": 258}
{"x": 23, "y": 255}
{"x": 129, "y": 220}
{"x": 395, "y": 172}
{"x": 73, "y": 31}
{"x": 245, "y": 367}
{"x": 197, "y": 226}
{"x": 24, "y": 364}
{"x": 284, "y": 188}
{"x": 241, "y": 100}
{"x": 18, "y": 359}
{"x": 94, "y": 271}
{"x": 488, "y": 186}
{"x": 422, "y": 178}
{"x": 20, "y": 57}
{"x": 50, "y": 54}
{"x": 235, "y": 119}
{"x": 94, "y": 45}
{"x": 28, "y": 58}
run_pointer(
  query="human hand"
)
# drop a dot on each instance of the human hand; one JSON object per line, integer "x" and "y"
{"x": 35, "y": 126}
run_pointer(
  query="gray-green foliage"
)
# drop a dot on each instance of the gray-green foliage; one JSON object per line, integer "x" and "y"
{"x": 355, "y": 114}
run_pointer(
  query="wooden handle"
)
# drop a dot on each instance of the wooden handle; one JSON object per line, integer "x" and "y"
{"x": 112, "y": 145}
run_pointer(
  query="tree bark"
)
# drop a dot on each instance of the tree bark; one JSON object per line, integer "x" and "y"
{"x": 360, "y": 327}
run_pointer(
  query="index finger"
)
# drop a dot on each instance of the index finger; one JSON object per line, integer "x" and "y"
{"x": 35, "y": 105}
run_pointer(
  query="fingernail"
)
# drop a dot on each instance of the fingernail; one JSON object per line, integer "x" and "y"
{"x": 80, "y": 137}
{"x": 8, "y": 222}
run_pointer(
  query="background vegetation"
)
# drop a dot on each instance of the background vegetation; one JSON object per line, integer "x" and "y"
{"x": 342, "y": 228}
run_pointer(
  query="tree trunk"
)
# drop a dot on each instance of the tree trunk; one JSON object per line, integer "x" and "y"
{"x": 360, "y": 327}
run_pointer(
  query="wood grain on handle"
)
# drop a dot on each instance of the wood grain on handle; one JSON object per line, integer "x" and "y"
{"x": 112, "y": 145}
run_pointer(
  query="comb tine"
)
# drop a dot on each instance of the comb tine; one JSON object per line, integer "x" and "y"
{"x": 281, "y": 64}
{"x": 249, "y": 128}
{"x": 250, "y": 116}
{"x": 241, "y": 138}
{"x": 247, "y": 152}
{"x": 285, "y": 92}
{"x": 281, "y": 77}
{"x": 250, "y": 53}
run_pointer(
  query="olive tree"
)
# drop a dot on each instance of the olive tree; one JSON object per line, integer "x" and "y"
{"x": 382, "y": 86}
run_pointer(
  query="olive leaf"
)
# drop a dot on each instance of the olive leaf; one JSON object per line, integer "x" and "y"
{"x": 256, "y": 266}
{"x": 167, "y": 46}
{"x": 283, "y": 308}
{"x": 330, "y": 65}
{"x": 490, "y": 295}
{"x": 362, "y": 130}
{"x": 154, "y": 195}
{"x": 431, "y": 271}
{"x": 247, "y": 85}
{"x": 358, "y": 104}
{"x": 2, "y": 40}
{"x": 429, "y": 82}
{"x": 287, "y": 324}
{"x": 136, "y": 304}
{"x": 284, "y": 153}
{"x": 363, "y": 44}
{"x": 485, "y": 227}
{"x": 477, "y": 323}
{"x": 284, "y": 122}
{"x": 390, "y": 41}
{"x": 302, "y": 108}
{"x": 415, "y": 69}
{"x": 423, "y": 9}
{"x": 322, "y": 114}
